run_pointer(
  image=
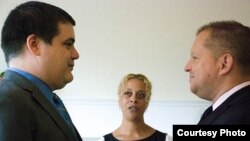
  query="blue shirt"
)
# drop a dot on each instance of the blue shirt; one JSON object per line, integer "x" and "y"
{"x": 46, "y": 91}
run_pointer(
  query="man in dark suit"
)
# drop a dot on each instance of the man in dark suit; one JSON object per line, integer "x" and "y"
{"x": 219, "y": 70}
{"x": 38, "y": 44}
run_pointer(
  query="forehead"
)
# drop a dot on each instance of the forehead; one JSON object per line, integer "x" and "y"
{"x": 199, "y": 44}
{"x": 135, "y": 83}
{"x": 65, "y": 30}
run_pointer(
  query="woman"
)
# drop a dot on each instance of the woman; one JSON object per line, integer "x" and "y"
{"x": 134, "y": 96}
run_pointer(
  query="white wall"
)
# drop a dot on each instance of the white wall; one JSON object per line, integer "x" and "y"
{"x": 116, "y": 37}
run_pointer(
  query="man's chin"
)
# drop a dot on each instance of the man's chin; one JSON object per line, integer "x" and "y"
{"x": 70, "y": 79}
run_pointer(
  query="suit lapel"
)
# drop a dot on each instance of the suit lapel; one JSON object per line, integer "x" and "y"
{"x": 234, "y": 98}
{"x": 41, "y": 100}
{"x": 52, "y": 111}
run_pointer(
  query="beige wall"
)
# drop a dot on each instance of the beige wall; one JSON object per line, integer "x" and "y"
{"x": 116, "y": 37}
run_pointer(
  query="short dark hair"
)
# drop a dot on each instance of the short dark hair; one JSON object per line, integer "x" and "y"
{"x": 32, "y": 17}
{"x": 232, "y": 37}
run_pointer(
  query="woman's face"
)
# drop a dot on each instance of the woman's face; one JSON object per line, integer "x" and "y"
{"x": 132, "y": 100}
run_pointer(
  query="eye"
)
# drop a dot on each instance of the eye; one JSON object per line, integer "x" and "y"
{"x": 141, "y": 95}
{"x": 68, "y": 45}
{"x": 194, "y": 57}
{"x": 127, "y": 94}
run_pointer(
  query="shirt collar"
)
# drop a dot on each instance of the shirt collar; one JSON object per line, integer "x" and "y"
{"x": 42, "y": 86}
{"x": 222, "y": 98}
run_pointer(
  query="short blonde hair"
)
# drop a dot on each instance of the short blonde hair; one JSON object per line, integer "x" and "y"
{"x": 141, "y": 77}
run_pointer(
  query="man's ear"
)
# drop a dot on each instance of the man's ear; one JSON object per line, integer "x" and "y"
{"x": 226, "y": 63}
{"x": 32, "y": 43}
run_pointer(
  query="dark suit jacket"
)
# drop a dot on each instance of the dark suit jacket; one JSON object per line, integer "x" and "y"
{"x": 235, "y": 110}
{"x": 27, "y": 115}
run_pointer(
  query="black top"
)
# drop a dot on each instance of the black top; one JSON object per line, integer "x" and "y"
{"x": 156, "y": 136}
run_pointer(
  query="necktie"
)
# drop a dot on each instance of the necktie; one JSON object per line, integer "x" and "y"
{"x": 64, "y": 113}
{"x": 207, "y": 112}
